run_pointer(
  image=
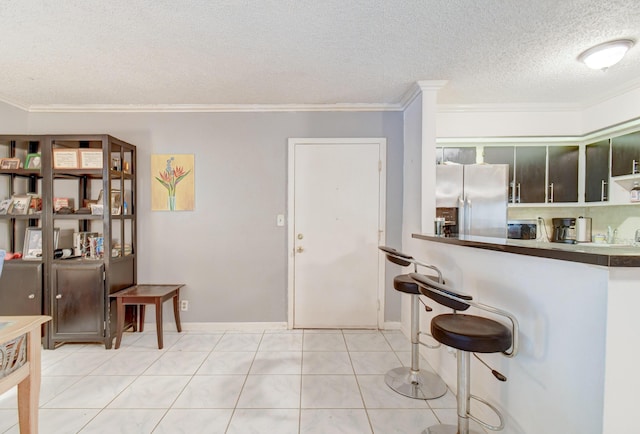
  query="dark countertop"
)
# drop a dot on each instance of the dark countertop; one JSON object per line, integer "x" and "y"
{"x": 589, "y": 253}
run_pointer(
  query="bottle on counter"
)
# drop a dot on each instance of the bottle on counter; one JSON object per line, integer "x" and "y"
{"x": 634, "y": 194}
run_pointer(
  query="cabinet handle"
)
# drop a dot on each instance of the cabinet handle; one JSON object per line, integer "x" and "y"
{"x": 59, "y": 296}
{"x": 634, "y": 167}
{"x": 551, "y": 192}
{"x": 603, "y": 190}
{"x": 518, "y": 196}
{"x": 31, "y": 296}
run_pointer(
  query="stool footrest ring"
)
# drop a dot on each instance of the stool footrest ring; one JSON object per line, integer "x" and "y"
{"x": 424, "y": 344}
{"x": 483, "y": 423}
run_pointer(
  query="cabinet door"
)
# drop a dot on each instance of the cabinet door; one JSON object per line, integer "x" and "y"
{"x": 563, "y": 174}
{"x": 465, "y": 155}
{"x": 78, "y": 301}
{"x": 597, "y": 172}
{"x": 502, "y": 155}
{"x": 625, "y": 154}
{"x": 21, "y": 288}
{"x": 530, "y": 174}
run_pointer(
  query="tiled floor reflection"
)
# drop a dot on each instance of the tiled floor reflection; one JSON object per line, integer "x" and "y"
{"x": 290, "y": 381}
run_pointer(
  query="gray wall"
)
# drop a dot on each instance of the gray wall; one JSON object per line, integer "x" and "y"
{"x": 12, "y": 119}
{"x": 229, "y": 251}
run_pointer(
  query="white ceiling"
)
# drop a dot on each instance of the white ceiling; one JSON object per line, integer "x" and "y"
{"x": 310, "y": 52}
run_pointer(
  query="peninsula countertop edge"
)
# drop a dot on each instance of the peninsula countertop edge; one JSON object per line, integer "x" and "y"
{"x": 627, "y": 256}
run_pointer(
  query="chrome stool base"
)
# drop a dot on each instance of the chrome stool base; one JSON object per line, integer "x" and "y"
{"x": 446, "y": 429}
{"x": 416, "y": 385}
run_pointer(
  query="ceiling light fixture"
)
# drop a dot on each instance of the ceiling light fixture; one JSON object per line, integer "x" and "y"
{"x": 603, "y": 56}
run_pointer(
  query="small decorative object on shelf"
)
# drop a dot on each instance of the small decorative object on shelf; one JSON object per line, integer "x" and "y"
{"x": 33, "y": 243}
{"x": 115, "y": 202}
{"x": 90, "y": 158}
{"x": 97, "y": 209}
{"x": 115, "y": 163}
{"x": 35, "y": 206}
{"x": 82, "y": 243}
{"x": 20, "y": 204}
{"x": 9, "y": 163}
{"x": 33, "y": 162}
{"x": 62, "y": 202}
{"x": 64, "y": 158}
{"x": 5, "y": 206}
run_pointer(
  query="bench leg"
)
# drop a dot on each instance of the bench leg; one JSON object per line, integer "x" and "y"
{"x": 141, "y": 328}
{"x": 176, "y": 311}
{"x": 159, "y": 321}
{"x": 120, "y": 320}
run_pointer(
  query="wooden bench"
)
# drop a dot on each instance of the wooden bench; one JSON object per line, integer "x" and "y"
{"x": 142, "y": 295}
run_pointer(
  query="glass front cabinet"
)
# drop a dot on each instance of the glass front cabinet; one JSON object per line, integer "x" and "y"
{"x": 68, "y": 221}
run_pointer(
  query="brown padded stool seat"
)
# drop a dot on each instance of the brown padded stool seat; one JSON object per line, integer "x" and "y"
{"x": 404, "y": 283}
{"x": 471, "y": 333}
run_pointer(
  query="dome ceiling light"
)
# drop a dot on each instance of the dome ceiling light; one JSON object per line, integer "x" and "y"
{"x": 604, "y": 55}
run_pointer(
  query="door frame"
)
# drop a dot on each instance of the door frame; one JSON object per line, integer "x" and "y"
{"x": 382, "y": 215}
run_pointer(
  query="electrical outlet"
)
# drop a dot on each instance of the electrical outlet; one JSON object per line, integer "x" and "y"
{"x": 184, "y": 305}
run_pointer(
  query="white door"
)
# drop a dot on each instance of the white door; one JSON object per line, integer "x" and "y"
{"x": 336, "y": 218}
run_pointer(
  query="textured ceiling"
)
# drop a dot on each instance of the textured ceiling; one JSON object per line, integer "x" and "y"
{"x": 153, "y": 52}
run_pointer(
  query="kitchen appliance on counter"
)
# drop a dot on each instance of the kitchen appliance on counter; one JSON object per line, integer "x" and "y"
{"x": 522, "y": 229}
{"x": 476, "y": 194}
{"x": 564, "y": 230}
{"x": 583, "y": 230}
{"x": 450, "y": 216}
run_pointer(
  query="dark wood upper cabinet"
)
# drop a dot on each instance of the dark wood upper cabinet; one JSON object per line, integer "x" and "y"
{"x": 625, "y": 154}
{"x": 502, "y": 155}
{"x": 563, "y": 174}
{"x": 597, "y": 172}
{"x": 530, "y": 174}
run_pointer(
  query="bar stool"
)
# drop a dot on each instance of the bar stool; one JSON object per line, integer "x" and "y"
{"x": 467, "y": 334}
{"x": 410, "y": 381}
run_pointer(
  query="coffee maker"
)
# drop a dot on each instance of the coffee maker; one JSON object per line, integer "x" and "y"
{"x": 450, "y": 216}
{"x": 564, "y": 230}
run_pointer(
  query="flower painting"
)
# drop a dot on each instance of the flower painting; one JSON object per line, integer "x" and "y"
{"x": 172, "y": 184}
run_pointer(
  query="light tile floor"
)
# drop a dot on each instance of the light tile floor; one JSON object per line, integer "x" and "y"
{"x": 290, "y": 381}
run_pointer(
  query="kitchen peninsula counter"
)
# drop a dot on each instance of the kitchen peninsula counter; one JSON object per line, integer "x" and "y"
{"x": 577, "y": 309}
{"x": 588, "y": 253}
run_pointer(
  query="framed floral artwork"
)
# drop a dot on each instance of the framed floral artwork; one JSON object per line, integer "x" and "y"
{"x": 173, "y": 182}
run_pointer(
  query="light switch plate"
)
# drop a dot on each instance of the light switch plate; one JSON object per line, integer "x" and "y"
{"x": 280, "y": 220}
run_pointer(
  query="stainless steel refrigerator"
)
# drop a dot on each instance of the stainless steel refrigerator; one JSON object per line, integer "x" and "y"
{"x": 479, "y": 192}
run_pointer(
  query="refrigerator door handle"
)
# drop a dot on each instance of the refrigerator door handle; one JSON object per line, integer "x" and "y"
{"x": 461, "y": 215}
{"x": 467, "y": 212}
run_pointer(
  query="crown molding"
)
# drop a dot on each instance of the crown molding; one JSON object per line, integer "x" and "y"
{"x": 416, "y": 89}
{"x": 208, "y": 108}
{"x": 19, "y": 105}
{"x": 621, "y": 128}
{"x": 497, "y": 108}
{"x": 627, "y": 87}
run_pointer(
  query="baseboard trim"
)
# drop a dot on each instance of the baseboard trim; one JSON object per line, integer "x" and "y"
{"x": 170, "y": 326}
{"x": 392, "y": 325}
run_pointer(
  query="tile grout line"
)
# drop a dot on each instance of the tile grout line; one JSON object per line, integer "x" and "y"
{"x": 244, "y": 383}
{"x": 186, "y": 384}
{"x": 364, "y": 404}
